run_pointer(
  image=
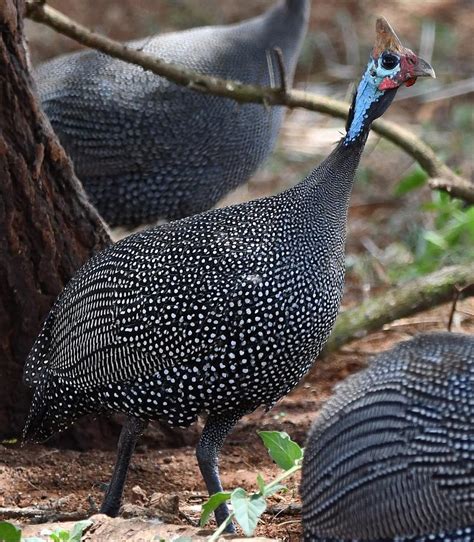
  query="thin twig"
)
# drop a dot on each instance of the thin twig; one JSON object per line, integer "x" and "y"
{"x": 456, "y": 295}
{"x": 281, "y": 69}
{"x": 445, "y": 178}
{"x": 457, "y": 189}
{"x": 41, "y": 515}
{"x": 412, "y": 322}
{"x": 93, "y": 508}
{"x": 289, "y": 510}
{"x": 459, "y": 291}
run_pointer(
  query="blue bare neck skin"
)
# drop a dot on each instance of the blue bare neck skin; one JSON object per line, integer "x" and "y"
{"x": 368, "y": 94}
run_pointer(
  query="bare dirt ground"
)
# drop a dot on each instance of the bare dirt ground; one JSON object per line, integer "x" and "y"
{"x": 164, "y": 463}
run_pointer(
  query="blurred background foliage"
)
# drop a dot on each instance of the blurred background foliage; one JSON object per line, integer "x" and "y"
{"x": 399, "y": 228}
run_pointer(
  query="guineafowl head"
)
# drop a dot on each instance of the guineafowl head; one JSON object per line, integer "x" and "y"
{"x": 390, "y": 66}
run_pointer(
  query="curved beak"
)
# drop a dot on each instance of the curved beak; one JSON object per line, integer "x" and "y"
{"x": 423, "y": 69}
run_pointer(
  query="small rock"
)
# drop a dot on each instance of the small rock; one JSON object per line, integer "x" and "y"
{"x": 165, "y": 503}
{"x": 129, "y": 510}
{"x": 168, "y": 459}
{"x": 138, "y": 495}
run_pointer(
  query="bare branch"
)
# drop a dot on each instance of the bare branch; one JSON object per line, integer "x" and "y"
{"x": 41, "y": 515}
{"x": 457, "y": 187}
{"x": 444, "y": 177}
{"x": 281, "y": 69}
{"x": 399, "y": 302}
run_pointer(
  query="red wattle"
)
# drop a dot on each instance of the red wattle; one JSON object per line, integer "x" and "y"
{"x": 410, "y": 82}
{"x": 387, "y": 83}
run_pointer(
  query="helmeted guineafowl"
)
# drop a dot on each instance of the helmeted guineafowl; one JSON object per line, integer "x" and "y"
{"x": 391, "y": 455}
{"x": 217, "y": 313}
{"x": 145, "y": 148}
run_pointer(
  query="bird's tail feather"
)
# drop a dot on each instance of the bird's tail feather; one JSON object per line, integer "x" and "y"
{"x": 55, "y": 406}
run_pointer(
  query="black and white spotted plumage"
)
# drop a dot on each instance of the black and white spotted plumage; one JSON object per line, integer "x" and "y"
{"x": 145, "y": 148}
{"x": 391, "y": 455}
{"x": 217, "y": 313}
{"x": 220, "y": 311}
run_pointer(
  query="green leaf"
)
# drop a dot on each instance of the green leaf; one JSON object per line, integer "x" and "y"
{"x": 78, "y": 530}
{"x": 261, "y": 484}
{"x": 284, "y": 451}
{"x": 55, "y": 536}
{"x": 211, "y": 504}
{"x": 436, "y": 239}
{"x": 9, "y": 533}
{"x": 414, "y": 179}
{"x": 247, "y": 509}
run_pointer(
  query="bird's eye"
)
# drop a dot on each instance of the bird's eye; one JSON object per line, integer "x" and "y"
{"x": 389, "y": 61}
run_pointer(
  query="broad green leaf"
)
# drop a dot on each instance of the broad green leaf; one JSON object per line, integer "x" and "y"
{"x": 55, "y": 537}
{"x": 9, "y": 533}
{"x": 413, "y": 180}
{"x": 247, "y": 509}
{"x": 78, "y": 530}
{"x": 211, "y": 504}
{"x": 284, "y": 451}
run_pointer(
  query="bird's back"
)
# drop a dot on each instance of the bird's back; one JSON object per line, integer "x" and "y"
{"x": 146, "y": 148}
{"x": 391, "y": 457}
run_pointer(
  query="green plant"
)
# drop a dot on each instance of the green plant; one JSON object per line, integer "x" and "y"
{"x": 447, "y": 240}
{"x": 75, "y": 535}
{"x": 416, "y": 178}
{"x": 248, "y": 507}
{"x": 10, "y": 533}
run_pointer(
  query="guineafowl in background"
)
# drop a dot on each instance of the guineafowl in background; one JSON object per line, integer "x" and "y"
{"x": 391, "y": 455}
{"x": 215, "y": 314}
{"x": 145, "y": 148}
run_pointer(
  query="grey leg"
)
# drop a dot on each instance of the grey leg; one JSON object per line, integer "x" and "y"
{"x": 131, "y": 431}
{"x": 207, "y": 451}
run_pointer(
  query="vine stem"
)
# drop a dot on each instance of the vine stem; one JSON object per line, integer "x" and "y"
{"x": 221, "y": 528}
{"x": 286, "y": 474}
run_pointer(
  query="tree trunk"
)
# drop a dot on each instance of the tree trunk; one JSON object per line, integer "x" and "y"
{"x": 47, "y": 227}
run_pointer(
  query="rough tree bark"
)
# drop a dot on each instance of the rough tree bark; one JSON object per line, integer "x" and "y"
{"x": 47, "y": 227}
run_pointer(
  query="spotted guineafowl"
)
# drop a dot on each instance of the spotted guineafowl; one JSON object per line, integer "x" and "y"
{"x": 145, "y": 148}
{"x": 217, "y": 313}
{"x": 391, "y": 455}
